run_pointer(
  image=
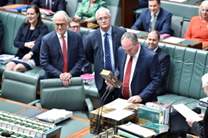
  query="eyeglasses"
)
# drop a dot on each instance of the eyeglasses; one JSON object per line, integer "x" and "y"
{"x": 103, "y": 18}
{"x": 60, "y": 24}
{"x": 74, "y": 27}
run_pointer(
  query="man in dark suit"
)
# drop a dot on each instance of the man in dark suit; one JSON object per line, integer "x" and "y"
{"x": 54, "y": 5}
{"x": 154, "y": 18}
{"x": 6, "y": 2}
{"x": 74, "y": 25}
{"x": 138, "y": 69}
{"x": 153, "y": 39}
{"x": 101, "y": 47}
{"x": 62, "y": 55}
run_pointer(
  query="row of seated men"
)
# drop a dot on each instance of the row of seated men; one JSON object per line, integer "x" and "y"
{"x": 63, "y": 53}
{"x": 153, "y": 18}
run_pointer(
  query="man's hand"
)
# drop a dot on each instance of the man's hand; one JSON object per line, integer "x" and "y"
{"x": 190, "y": 122}
{"x": 65, "y": 78}
{"x": 135, "y": 99}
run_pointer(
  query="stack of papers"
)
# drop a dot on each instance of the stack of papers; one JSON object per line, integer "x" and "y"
{"x": 4, "y": 58}
{"x": 55, "y": 115}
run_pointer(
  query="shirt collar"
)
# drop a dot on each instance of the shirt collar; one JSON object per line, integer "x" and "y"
{"x": 156, "y": 13}
{"x": 109, "y": 31}
{"x": 155, "y": 49}
{"x": 65, "y": 35}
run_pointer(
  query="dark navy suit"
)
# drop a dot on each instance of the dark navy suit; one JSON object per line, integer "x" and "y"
{"x": 95, "y": 54}
{"x": 22, "y": 37}
{"x": 146, "y": 77}
{"x": 164, "y": 60}
{"x": 51, "y": 57}
{"x": 162, "y": 25}
{"x": 6, "y": 2}
{"x": 57, "y": 5}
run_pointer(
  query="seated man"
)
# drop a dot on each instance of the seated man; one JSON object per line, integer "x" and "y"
{"x": 154, "y": 18}
{"x": 138, "y": 69}
{"x": 62, "y": 55}
{"x": 164, "y": 59}
{"x": 54, "y": 5}
{"x": 6, "y": 2}
{"x": 74, "y": 25}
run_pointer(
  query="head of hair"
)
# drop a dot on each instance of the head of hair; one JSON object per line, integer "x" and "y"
{"x": 61, "y": 14}
{"x": 37, "y": 11}
{"x": 158, "y": 1}
{"x": 156, "y": 32}
{"x": 205, "y": 80}
{"x": 74, "y": 19}
{"x": 102, "y": 9}
{"x": 204, "y": 4}
{"x": 130, "y": 36}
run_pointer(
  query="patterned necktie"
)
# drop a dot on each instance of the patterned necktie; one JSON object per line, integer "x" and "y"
{"x": 126, "y": 79}
{"x": 107, "y": 53}
{"x": 153, "y": 21}
{"x": 48, "y": 4}
{"x": 65, "y": 69}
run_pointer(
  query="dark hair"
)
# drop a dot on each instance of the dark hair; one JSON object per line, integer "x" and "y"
{"x": 158, "y": 1}
{"x": 156, "y": 32}
{"x": 36, "y": 8}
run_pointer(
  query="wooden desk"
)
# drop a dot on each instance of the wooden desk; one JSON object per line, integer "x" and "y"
{"x": 68, "y": 125}
{"x": 89, "y": 25}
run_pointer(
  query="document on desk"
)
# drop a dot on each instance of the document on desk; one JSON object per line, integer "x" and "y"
{"x": 173, "y": 40}
{"x": 187, "y": 112}
{"x": 178, "y": 0}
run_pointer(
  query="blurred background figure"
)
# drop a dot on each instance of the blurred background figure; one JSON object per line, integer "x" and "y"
{"x": 200, "y": 128}
{"x": 198, "y": 27}
{"x": 5, "y": 2}
{"x": 88, "y": 8}
{"x": 54, "y": 5}
{"x": 28, "y": 40}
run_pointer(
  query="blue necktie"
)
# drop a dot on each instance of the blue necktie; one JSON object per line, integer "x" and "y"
{"x": 107, "y": 53}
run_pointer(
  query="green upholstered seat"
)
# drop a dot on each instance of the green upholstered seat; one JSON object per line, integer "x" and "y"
{"x": 71, "y": 7}
{"x": 115, "y": 9}
{"x": 54, "y": 95}
{"x": 19, "y": 87}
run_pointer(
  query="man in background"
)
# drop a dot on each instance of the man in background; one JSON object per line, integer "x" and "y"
{"x": 5, "y": 2}
{"x": 153, "y": 39}
{"x": 154, "y": 18}
{"x": 54, "y": 5}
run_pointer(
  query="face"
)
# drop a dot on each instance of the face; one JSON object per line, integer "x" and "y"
{"x": 204, "y": 13}
{"x": 104, "y": 20}
{"x": 60, "y": 24}
{"x": 153, "y": 6}
{"x": 152, "y": 40}
{"x": 32, "y": 16}
{"x": 74, "y": 26}
{"x": 205, "y": 89}
{"x": 129, "y": 47}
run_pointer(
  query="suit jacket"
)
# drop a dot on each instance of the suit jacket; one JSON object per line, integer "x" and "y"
{"x": 200, "y": 128}
{"x": 6, "y": 2}
{"x": 94, "y": 50}
{"x": 51, "y": 57}
{"x": 57, "y": 5}
{"x": 1, "y": 34}
{"x": 21, "y": 38}
{"x": 164, "y": 60}
{"x": 146, "y": 77}
{"x": 162, "y": 25}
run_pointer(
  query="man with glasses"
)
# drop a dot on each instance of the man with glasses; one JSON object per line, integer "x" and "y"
{"x": 101, "y": 48}
{"x": 62, "y": 55}
{"x": 74, "y": 25}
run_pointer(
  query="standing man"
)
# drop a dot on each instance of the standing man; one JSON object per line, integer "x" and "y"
{"x": 154, "y": 18}
{"x": 54, "y": 5}
{"x": 153, "y": 39}
{"x": 101, "y": 48}
{"x": 74, "y": 25}
{"x": 138, "y": 69}
{"x": 62, "y": 55}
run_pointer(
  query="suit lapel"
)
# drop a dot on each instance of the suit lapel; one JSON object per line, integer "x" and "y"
{"x": 114, "y": 39}
{"x": 68, "y": 43}
{"x": 123, "y": 61}
{"x": 100, "y": 45}
{"x": 56, "y": 43}
{"x": 148, "y": 20}
{"x": 158, "y": 19}
{"x": 26, "y": 30}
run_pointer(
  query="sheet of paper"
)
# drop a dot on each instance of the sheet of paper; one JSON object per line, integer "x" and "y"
{"x": 187, "y": 112}
{"x": 118, "y": 104}
{"x": 133, "y": 31}
{"x": 173, "y": 40}
{"x": 178, "y": 0}
{"x": 118, "y": 114}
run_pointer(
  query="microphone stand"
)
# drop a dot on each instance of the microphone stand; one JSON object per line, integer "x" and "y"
{"x": 98, "y": 127}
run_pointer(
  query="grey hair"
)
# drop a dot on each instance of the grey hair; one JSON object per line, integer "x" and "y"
{"x": 131, "y": 36}
{"x": 62, "y": 14}
{"x": 102, "y": 9}
{"x": 205, "y": 80}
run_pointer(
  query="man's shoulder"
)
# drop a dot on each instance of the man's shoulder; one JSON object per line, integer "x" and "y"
{"x": 164, "y": 12}
{"x": 50, "y": 35}
{"x": 160, "y": 51}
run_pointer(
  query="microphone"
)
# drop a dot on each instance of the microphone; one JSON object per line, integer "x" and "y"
{"x": 98, "y": 128}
